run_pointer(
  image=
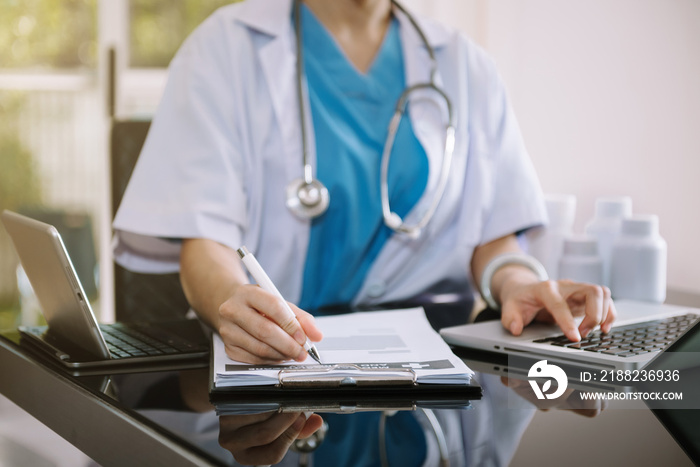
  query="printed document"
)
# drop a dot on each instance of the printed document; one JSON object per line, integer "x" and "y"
{"x": 390, "y": 345}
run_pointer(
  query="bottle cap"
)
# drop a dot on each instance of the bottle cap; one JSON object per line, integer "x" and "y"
{"x": 641, "y": 225}
{"x": 561, "y": 210}
{"x": 613, "y": 206}
{"x": 580, "y": 245}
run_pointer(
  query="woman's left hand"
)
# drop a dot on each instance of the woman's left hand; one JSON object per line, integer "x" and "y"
{"x": 570, "y": 400}
{"x": 556, "y": 301}
{"x": 524, "y": 298}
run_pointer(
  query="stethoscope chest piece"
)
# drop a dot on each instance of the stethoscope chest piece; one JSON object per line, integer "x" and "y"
{"x": 307, "y": 199}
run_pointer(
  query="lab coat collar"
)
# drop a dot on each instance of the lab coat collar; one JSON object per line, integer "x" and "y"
{"x": 277, "y": 55}
{"x": 273, "y": 18}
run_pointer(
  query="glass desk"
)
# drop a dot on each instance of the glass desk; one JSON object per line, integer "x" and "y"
{"x": 164, "y": 417}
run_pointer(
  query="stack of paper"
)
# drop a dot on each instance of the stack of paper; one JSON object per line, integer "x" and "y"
{"x": 396, "y": 347}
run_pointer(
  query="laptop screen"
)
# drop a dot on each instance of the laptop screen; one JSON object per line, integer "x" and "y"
{"x": 63, "y": 301}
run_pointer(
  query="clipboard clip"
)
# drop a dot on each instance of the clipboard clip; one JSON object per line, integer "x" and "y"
{"x": 345, "y": 376}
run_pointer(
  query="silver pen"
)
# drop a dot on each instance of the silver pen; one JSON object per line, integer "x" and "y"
{"x": 266, "y": 284}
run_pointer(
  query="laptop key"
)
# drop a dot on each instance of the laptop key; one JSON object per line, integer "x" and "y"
{"x": 615, "y": 351}
{"x": 607, "y": 347}
{"x": 587, "y": 345}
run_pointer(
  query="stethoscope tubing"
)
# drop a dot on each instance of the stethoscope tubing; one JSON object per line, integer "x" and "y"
{"x": 391, "y": 219}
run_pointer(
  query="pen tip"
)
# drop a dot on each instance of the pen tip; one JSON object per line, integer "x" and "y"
{"x": 314, "y": 354}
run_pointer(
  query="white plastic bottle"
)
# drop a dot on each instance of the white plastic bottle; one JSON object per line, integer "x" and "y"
{"x": 547, "y": 243}
{"x": 580, "y": 260}
{"x": 639, "y": 261}
{"x": 606, "y": 226}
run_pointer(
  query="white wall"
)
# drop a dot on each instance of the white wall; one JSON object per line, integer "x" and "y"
{"x": 468, "y": 16}
{"x": 607, "y": 93}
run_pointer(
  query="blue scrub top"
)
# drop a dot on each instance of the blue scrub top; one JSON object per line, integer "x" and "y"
{"x": 351, "y": 113}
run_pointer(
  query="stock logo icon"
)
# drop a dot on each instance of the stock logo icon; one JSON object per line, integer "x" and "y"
{"x": 542, "y": 369}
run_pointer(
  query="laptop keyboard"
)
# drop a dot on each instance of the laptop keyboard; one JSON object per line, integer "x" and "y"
{"x": 129, "y": 341}
{"x": 627, "y": 341}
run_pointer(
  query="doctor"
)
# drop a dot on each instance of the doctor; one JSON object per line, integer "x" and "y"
{"x": 274, "y": 133}
{"x": 232, "y": 155}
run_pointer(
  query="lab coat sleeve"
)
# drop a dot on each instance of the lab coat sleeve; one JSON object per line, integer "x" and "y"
{"x": 515, "y": 201}
{"x": 188, "y": 182}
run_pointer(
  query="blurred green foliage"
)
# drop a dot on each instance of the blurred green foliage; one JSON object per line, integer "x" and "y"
{"x": 63, "y": 33}
{"x": 19, "y": 182}
{"x": 48, "y": 33}
{"x": 19, "y": 188}
{"x": 159, "y": 27}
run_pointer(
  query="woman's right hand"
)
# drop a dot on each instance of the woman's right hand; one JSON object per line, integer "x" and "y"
{"x": 253, "y": 323}
{"x": 256, "y": 328}
{"x": 263, "y": 439}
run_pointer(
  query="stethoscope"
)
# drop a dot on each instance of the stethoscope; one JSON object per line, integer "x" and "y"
{"x": 308, "y": 198}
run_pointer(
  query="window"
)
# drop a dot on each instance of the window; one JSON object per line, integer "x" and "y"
{"x": 49, "y": 139}
{"x": 157, "y": 28}
{"x": 48, "y": 35}
{"x": 53, "y": 116}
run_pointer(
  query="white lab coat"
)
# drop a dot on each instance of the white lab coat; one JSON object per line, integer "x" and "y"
{"x": 226, "y": 141}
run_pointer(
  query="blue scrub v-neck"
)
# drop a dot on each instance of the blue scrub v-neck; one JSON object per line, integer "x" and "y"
{"x": 351, "y": 113}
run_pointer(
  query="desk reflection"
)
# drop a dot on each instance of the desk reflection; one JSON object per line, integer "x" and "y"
{"x": 487, "y": 432}
{"x": 265, "y": 438}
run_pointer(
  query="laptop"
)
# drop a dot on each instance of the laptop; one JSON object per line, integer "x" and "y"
{"x": 73, "y": 337}
{"x": 641, "y": 331}
{"x": 680, "y": 417}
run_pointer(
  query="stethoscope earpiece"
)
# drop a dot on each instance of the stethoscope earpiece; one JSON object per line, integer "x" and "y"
{"x": 413, "y": 233}
{"x": 393, "y": 221}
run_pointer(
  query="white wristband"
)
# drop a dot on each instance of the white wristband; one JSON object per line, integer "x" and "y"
{"x": 502, "y": 260}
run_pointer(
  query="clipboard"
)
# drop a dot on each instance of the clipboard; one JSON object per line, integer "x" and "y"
{"x": 330, "y": 389}
{"x": 385, "y": 352}
{"x": 333, "y": 382}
